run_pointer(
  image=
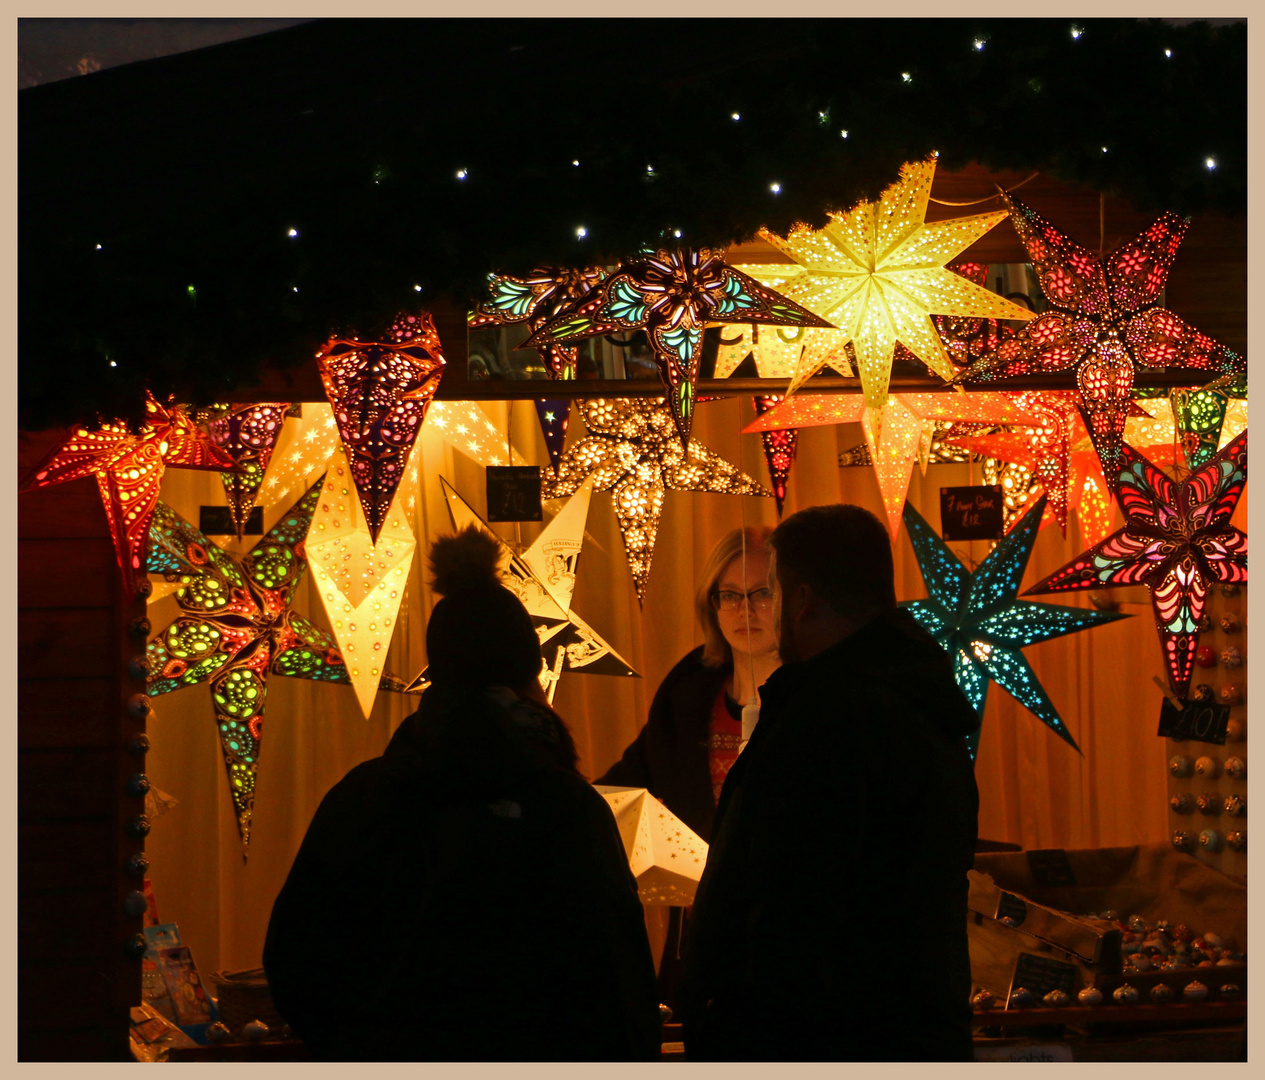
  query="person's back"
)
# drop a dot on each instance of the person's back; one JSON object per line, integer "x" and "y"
{"x": 830, "y": 923}
{"x": 465, "y": 896}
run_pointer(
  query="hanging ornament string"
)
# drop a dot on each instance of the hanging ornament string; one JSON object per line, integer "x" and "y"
{"x": 986, "y": 198}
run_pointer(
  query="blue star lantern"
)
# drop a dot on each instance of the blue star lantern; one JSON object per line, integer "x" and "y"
{"x": 977, "y": 618}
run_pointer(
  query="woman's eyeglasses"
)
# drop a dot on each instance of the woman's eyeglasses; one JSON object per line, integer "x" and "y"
{"x": 729, "y": 600}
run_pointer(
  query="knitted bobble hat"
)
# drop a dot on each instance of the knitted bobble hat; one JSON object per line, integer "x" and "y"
{"x": 479, "y": 633}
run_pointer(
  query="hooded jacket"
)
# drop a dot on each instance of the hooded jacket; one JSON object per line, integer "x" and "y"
{"x": 830, "y": 922}
{"x": 465, "y": 896}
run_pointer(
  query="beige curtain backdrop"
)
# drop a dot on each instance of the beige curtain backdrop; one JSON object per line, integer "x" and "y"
{"x": 1035, "y": 790}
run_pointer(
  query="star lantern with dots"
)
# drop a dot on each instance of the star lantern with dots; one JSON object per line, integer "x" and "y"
{"x": 554, "y": 415}
{"x": 672, "y": 296}
{"x": 361, "y": 583}
{"x": 1104, "y": 322}
{"x": 248, "y": 435}
{"x": 633, "y": 448}
{"x": 235, "y": 628}
{"x": 129, "y": 469}
{"x": 464, "y": 426}
{"x": 379, "y": 391}
{"x": 879, "y": 273}
{"x": 977, "y": 618}
{"x": 534, "y": 300}
{"x": 666, "y": 856}
{"x": 779, "y": 448}
{"x": 894, "y": 433}
{"x": 1177, "y": 540}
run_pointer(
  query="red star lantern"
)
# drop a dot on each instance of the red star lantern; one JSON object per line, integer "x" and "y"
{"x": 1177, "y": 541}
{"x": 379, "y": 391}
{"x": 129, "y": 470}
{"x": 248, "y": 435}
{"x": 779, "y": 449}
{"x": 673, "y": 295}
{"x": 1103, "y": 321}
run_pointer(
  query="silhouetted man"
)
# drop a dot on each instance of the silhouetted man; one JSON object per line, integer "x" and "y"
{"x": 830, "y": 922}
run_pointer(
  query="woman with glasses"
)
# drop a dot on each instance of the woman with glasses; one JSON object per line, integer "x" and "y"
{"x": 694, "y": 730}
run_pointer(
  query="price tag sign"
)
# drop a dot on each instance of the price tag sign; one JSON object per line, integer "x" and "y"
{"x": 514, "y": 493}
{"x": 1203, "y": 721}
{"x": 971, "y": 513}
{"x": 1041, "y": 974}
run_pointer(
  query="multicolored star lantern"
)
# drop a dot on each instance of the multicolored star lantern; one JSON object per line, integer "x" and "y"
{"x": 543, "y": 578}
{"x": 379, "y": 391}
{"x": 235, "y": 629}
{"x": 129, "y": 470}
{"x": 673, "y": 295}
{"x": 879, "y": 274}
{"x": 632, "y": 447}
{"x": 1104, "y": 320}
{"x": 779, "y": 448}
{"x": 894, "y": 433}
{"x": 1177, "y": 541}
{"x": 554, "y": 415}
{"x": 248, "y": 435}
{"x": 664, "y": 854}
{"x": 535, "y": 300}
{"x": 360, "y": 583}
{"x": 1206, "y": 419}
{"x": 976, "y": 617}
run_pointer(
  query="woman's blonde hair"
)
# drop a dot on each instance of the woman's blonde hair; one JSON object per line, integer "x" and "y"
{"x": 716, "y": 650}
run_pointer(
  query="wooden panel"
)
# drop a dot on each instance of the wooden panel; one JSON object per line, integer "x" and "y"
{"x": 66, "y": 573}
{"x": 63, "y": 510}
{"x": 56, "y": 785}
{"x": 52, "y": 996}
{"x": 73, "y": 926}
{"x": 68, "y": 855}
{"x": 79, "y": 642}
{"x": 63, "y": 713}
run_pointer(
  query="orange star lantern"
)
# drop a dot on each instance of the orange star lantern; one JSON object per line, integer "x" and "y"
{"x": 129, "y": 470}
{"x": 895, "y": 432}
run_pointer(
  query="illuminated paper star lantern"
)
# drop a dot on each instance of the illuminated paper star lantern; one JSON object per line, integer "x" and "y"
{"x": 554, "y": 415}
{"x": 665, "y": 855}
{"x": 632, "y": 447}
{"x": 534, "y": 300}
{"x": 466, "y": 427}
{"x": 248, "y": 435}
{"x": 129, "y": 470}
{"x": 1177, "y": 541}
{"x": 235, "y": 628}
{"x": 894, "y": 432}
{"x": 965, "y": 338}
{"x": 779, "y": 449}
{"x": 879, "y": 274}
{"x": 777, "y": 351}
{"x": 360, "y": 583}
{"x": 379, "y": 391}
{"x": 302, "y": 453}
{"x": 1104, "y": 321}
{"x": 976, "y": 617}
{"x": 543, "y": 579}
{"x": 672, "y": 296}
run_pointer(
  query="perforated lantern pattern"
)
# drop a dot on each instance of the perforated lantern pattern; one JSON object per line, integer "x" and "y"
{"x": 665, "y": 855}
{"x": 379, "y": 391}
{"x": 632, "y": 449}
{"x": 129, "y": 469}
{"x": 879, "y": 273}
{"x": 235, "y": 628}
{"x": 672, "y": 295}
{"x": 1103, "y": 322}
{"x": 248, "y": 435}
{"x": 1177, "y": 541}
{"x": 977, "y": 618}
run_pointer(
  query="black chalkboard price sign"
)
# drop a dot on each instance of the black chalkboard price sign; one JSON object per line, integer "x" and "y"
{"x": 514, "y": 493}
{"x": 1041, "y": 974}
{"x": 1203, "y": 721}
{"x": 971, "y": 513}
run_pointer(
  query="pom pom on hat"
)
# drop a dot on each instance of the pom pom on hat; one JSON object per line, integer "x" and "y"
{"x": 463, "y": 560}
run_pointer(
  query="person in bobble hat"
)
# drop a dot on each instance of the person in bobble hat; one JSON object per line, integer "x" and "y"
{"x": 465, "y": 896}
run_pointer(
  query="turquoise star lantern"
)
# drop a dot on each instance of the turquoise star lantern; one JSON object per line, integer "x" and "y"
{"x": 977, "y": 618}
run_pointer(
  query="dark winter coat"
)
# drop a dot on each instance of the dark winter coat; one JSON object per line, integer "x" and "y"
{"x": 669, "y": 756}
{"x": 464, "y": 897}
{"x": 830, "y": 922}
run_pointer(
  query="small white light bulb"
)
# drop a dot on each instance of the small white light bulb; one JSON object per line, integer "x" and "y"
{"x": 98, "y": 247}
{"x": 1104, "y": 149}
{"x": 1076, "y": 33}
{"x": 292, "y": 233}
{"x": 676, "y": 233}
{"x": 844, "y": 133}
{"x": 736, "y": 116}
{"x": 906, "y": 77}
{"x": 1168, "y": 52}
{"x": 775, "y": 187}
{"x": 462, "y": 174}
{"x": 979, "y": 44}
{"x": 417, "y": 288}
{"x": 294, "y": 288}
{"x": 581, "y": 232}
{"x": 1211, "y": 163}
{"x": 576, "y": 163}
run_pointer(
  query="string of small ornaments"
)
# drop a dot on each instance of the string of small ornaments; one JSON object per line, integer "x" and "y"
{"x": 1180, "y": 965}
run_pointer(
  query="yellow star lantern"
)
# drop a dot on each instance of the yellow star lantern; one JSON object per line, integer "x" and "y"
{"x": 464, "y": 426}
{"x": 361, "y": 584}
{"x": 665, "y": 856}
{"x": 878, "y": 273}
{"x": 894, "y": 433}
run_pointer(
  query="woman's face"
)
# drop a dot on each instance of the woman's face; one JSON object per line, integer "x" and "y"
{"x": 747, "y": 624}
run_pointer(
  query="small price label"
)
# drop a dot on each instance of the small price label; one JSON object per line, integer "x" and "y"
{"x": 1041, "y": 974}
{"x": 514, "y": 493}
{"x": 971, "y": 513}
{"x": 1203, "y": 721}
